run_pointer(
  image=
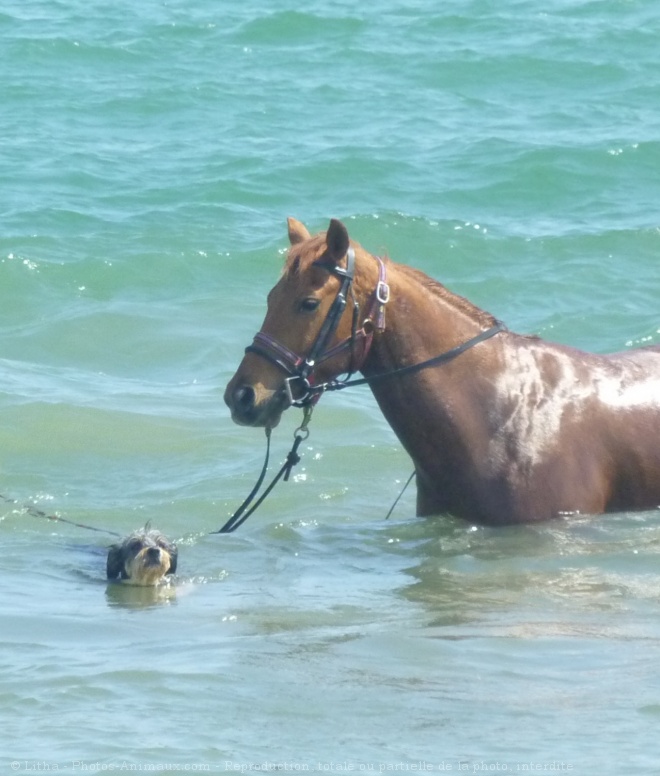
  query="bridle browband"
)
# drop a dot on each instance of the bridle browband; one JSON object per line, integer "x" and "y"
{"x": 300, "y": 369}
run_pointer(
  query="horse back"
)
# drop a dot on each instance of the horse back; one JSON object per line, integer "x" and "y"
{"x": 579, "y": 431}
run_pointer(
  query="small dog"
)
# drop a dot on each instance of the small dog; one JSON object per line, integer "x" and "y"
{"x": 143, "y": 558}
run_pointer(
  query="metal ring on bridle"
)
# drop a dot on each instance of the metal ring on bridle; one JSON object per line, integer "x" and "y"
{"x": 307, "y": 395}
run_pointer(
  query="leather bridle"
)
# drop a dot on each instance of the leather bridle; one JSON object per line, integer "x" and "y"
{"x": 300, "y": 369}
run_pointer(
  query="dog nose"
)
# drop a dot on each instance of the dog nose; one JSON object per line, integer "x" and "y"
{"x": 243, "y": 399}
{"x": 153, "y": 553}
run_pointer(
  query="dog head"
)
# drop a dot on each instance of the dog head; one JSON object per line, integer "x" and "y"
{"x": 143, "y": 558}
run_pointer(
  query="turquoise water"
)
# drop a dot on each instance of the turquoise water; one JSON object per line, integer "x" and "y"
{"x": 149, "y": 156}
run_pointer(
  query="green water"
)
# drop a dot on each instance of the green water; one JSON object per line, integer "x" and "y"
{"x": 149, "y": 156}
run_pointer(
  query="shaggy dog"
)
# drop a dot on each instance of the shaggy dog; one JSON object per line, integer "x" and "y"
{"x": 143, "y": 558}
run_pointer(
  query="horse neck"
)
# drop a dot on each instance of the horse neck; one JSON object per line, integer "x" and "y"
{"x": 422, "y": 320}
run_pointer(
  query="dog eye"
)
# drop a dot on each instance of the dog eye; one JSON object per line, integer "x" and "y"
{"x": 309, "y": 304}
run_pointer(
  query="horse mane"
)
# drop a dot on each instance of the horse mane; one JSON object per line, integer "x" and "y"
{"x": 458, "y": 302}
{"x": 297, "y": 260}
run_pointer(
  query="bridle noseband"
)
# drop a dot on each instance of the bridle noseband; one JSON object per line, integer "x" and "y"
{"x": 300, "y": 369}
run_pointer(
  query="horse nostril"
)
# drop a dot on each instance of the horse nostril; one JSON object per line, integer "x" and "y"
{"x": 244, "y": 397}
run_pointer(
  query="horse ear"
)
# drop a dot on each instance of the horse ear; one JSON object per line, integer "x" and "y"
{"x": 297, "y": 231}
{"x": 337, "y": 240}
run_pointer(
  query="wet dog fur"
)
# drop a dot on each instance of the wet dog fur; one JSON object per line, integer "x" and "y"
{"x": 143, "y": 558}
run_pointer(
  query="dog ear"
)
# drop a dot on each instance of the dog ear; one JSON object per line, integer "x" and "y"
{"x": 115, "y": 565}
{"x": 174, "y": 556}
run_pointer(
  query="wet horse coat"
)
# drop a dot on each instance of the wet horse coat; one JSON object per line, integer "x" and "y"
{"x": 514, "y": 430}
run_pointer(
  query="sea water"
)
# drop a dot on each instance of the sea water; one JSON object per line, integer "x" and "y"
{"x": 149, "y": 155}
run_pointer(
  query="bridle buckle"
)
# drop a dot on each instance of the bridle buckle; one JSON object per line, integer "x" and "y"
{"x": 383, "y": 292}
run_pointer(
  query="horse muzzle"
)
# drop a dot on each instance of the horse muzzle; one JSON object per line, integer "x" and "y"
{"x": 256, "y": 407}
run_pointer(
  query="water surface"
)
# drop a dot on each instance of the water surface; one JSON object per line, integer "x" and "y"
{"x": 150, "y": 156}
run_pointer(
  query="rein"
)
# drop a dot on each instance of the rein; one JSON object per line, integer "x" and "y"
{"x": 241, "y": 515}
{"x": 443, "y": 358}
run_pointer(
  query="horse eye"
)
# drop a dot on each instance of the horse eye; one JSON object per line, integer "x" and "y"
{"x": 309, "y": 305}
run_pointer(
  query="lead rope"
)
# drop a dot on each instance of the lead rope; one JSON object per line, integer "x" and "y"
{"x": 34, "y": 512}
{"x": 241, "y": 515}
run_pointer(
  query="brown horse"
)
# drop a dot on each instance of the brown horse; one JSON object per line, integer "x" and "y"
{"x": 509, "y": 429}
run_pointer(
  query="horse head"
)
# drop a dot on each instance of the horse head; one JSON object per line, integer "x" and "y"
{"x": 311, "y": 332}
